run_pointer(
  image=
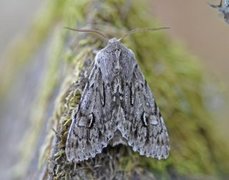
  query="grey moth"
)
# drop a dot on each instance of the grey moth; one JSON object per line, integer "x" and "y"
{"x": 116, "y": 105}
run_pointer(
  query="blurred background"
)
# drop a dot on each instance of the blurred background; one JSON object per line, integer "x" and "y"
{"x": 203, "y": 32}
{"x": 194, "y": 25}
{"x": 198, "y": 27}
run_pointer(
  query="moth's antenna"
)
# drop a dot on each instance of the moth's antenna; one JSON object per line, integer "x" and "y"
{"x": 89, "y": 31}
{"x": 141, "y": 30}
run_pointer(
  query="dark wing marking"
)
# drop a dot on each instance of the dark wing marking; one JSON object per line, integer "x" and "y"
{"x": 91, "y": 128}
{"x": 144, "y": 126}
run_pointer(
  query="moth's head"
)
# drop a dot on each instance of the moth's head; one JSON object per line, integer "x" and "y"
{"x": 114, "y": 42}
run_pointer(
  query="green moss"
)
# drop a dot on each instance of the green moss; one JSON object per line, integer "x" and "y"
{"x": 175, "y": 77}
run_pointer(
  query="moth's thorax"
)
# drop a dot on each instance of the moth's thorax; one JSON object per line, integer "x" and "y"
{"x": 113, "y": 40}
{"x": 114, "y": 44}
{"x": 116, "y": 61}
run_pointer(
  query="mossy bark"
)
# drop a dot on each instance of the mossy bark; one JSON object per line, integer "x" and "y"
{"x": 174, "y": 76}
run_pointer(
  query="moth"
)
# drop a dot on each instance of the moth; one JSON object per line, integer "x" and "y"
{"x": 223, "y": 8}
{"x": 116, "y": 106}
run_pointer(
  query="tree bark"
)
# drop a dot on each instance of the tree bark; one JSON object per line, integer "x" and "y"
{"x": 174, "y": 76}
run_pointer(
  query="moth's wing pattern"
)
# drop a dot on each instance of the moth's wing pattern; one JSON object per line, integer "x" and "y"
{"x": 143, "y": 126}
{"x": 91, "y": 128}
